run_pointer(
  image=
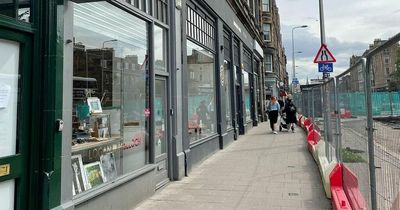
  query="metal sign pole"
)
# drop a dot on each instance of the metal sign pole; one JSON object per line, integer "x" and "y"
{"x": 325, "y": 95}
{"x": 322, "y": 22}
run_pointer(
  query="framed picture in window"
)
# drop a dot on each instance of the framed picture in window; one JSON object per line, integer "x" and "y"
{"x": 94, "y": 105}
{"x": 108, "y": 165}
{"x": 79, "y": 183}
{"x": 94, "y": 174}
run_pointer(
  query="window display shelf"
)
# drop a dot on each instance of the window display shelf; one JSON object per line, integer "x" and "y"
{"x": 92, "y": 144}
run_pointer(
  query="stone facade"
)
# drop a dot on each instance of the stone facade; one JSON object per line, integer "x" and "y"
{"x": 276, "y": 77}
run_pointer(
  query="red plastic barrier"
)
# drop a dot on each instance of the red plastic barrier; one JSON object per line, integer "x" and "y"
{"x": 352, "y": 190}
{"x": 339, "y": 198}
{"x": 307, "y": 122}
{"x": 346, "y": 114}
{"x": 313, "y": 137}
{"x": 310, "y": 127}
{"x": 311, "y": 147}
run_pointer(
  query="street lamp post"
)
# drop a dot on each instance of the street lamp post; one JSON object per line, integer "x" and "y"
{"x": 293, "y": 59}
{"x": 111, "y": 40}
{"x": 103, "y": 67}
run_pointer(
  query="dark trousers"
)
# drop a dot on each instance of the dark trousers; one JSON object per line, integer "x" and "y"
{"x": 273, "y": 118}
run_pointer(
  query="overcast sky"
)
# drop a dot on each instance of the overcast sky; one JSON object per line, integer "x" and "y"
{"x": 350, "y": 26}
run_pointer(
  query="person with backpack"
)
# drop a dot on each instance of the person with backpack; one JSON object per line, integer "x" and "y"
{"x": 290, "y": 109}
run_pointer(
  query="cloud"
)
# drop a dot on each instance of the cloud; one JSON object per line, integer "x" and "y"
{"x": 349, "y": 30}
{"x": 309, "y": 43}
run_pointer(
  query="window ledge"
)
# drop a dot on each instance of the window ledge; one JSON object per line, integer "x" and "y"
{"x": 202, "y": 141}
{"x": 87, "y": 195}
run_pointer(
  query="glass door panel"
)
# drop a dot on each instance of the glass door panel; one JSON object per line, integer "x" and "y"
{"x": 7, "y": 189}
{"x": 15, "y": 110}
{"x": 160, "y": 105}
{"x": 160, "y": 132}
{"x": 9, "y": 76}
{"x": 9, "y": 87}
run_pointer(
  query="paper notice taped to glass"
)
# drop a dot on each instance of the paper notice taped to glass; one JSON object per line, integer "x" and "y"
{"x": 5, "y": 91}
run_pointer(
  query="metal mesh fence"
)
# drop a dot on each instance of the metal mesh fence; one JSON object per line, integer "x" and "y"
{"x": 354, "y": 137}
{"x": 361, "y": 121}
{"x": 309, "y": 102}
{"x": 384, "y": 65}
{"x": 331, "y": 120}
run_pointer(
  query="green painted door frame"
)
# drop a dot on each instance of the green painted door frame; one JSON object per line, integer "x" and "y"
{"x": 17, "y": 163}
{"x": 37, "y": 166}
{"x": 48, "y": 62}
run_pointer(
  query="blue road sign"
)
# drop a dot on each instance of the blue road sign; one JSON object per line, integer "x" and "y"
{"x": 295, "y": 81}
{"x": 325, "y": 67}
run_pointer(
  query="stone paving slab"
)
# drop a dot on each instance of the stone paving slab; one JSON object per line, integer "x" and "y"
{"x": 258, "y": 171}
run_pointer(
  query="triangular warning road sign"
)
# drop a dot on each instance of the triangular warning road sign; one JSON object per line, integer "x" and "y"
{"x": 324, "y": 55}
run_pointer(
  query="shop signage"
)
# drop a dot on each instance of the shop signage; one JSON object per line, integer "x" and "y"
{"x": 4, "y": 170}
{"x": 237, "y": 26}
{"x": 258, "y": 48}
{"x": 94, "y": 153}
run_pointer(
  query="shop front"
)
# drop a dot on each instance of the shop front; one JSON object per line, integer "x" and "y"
{"x": 248, "y": 87}
{"x": 220, "y": 83}
{"x": 118, "y": 92}
{"x": 30, "y": 110}
{"x": 95, "y": 114}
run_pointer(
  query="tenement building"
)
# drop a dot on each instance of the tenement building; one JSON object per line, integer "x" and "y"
{"x": 105, "y": 102}
{"x": 383, "y": 65}
{"x": 276, "y": 77}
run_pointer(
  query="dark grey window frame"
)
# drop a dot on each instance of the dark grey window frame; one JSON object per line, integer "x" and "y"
{"x": 201, "y": 27}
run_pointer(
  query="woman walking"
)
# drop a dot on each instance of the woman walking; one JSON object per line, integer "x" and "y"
{"x": 273, "y": 109}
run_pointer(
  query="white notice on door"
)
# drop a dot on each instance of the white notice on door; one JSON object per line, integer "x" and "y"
{"x": 4, "y": 95}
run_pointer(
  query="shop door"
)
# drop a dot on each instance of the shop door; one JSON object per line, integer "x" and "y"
{"x": 15, "y": 109}
{"x": 239, "y": 101}
{"x": 161, "y": 136}
{"x": 239, "y": 110}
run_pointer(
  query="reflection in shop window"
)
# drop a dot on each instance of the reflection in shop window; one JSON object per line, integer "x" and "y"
{"x": 24, "y": 10}
{"x": 110, "y": 95}
{"x": 160, "y": 38}
{"x": 227, "y": 93}
{"x": 160, "y": 140}
{"x": 247, "y": 101}
{"x": 201, "y": 94}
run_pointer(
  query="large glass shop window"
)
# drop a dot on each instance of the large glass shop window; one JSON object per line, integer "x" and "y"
{"x": 247, "y": 102}
{"x": 160, "y": 40}
{"x": 110, "y": 95}
{"x": 201, "y": 92}
{"x": 226, "y": 86}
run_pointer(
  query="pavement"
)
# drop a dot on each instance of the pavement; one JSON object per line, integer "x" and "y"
{"x": 260, "y": 170}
